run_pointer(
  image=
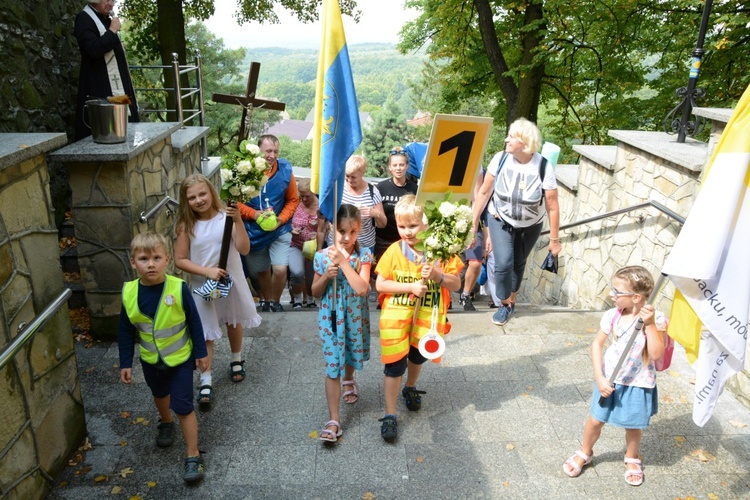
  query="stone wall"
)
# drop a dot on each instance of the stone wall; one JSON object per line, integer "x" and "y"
{"x": 42, "y": 419}
{"x": 40, "y": 61}
{"x": 612, "y": 179}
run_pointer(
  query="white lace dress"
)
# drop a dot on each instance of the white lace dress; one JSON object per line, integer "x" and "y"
{"x": 237, "y": 308}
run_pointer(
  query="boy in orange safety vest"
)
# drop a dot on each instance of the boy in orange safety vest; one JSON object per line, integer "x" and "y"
{"x": 403, "y": 278}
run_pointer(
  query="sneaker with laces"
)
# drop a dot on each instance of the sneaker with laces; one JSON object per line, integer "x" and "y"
{"x": 503, "y": 314}
{"x": 166, "y": 434}
{"x": 265, "y": 306}
{"x": 275, "y": 307}
{"x": 466, "y": 301}
{"x": 297, "y": 305}
{"x": 194, "y": 469}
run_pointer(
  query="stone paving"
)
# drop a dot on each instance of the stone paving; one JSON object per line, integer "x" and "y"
{"x": 501, "y": 414}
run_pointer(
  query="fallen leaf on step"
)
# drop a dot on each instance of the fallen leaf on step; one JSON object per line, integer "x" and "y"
{"x": 529, "y": 388}
{"x": 712, "y": 496}
{"x": 314, "y": 435}
{"x": 145, "y": 422}
{"x": 679, "y": 440}
{"x": 590, "y": 330}
{"x": 683, "y": 399}
{"x": 100, "y": 479}
{"x": 135, "y": 497}
{"x": 116, "y": 490}
{"x": 83, "y": 470}
{"x": 674, "y": 373}
{"x": 506, "y": 483}
{"x": 151, "y": 484}
{"x": 525, "y": 394}
{"x": 569, "y": 344}
{"x": 369, "y": 496}
{"x": 737, "y": 424}
{"x": 123, "y": 443}
{"x": 666, "y": 398}
{"x": 420, "y": 459}
{"x": 125, "y": 414}
{"x": 138, "y": 420}
{"x": 702, "y": 455}
{"x": 510, "y": 446}
{"x": 89, "y": 370}
{"x": 124, "y": 473}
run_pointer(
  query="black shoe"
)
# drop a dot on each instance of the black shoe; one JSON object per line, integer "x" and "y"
{"x": 389, "y": 429}
{"x": 297, "y": 305}
{"x": 275, "y": 307}
{"x": 166, "y": 434}
{"x": 466, "y": 301}
{"x": 194, "y": 469}
{"x": 265, "y": 306}
{"x": 412, "y": 397}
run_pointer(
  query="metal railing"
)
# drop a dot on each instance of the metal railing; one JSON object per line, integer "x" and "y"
{"x": 181, "y": 93}
{"x": 27, "y": 330}
{"x": 145, "y": 216}
{"x": 666, "y": 211}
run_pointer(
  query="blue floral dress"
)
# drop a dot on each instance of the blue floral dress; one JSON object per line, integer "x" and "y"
{"x": 349, "y": 342}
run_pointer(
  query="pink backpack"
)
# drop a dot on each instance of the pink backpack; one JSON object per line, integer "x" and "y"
{"x": 666, "y": 360}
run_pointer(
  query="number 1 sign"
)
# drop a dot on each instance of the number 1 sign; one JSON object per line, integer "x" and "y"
{"x": 454, "y": 155}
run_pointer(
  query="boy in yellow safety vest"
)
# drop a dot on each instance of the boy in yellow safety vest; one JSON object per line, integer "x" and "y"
{"x": 404, "y": 277}
{"x": 159, "y": 310}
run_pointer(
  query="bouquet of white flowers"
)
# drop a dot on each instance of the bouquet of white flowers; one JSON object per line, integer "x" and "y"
{"x": 449, "y": 229}
{"x": 243, "y": 172}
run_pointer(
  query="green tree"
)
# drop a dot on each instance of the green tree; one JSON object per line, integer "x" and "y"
{"x": 388, "y": 130}
{"x": 299, "y": 153}
{"x": 581, "y": 64}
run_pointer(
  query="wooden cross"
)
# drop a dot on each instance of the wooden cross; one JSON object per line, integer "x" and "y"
{"x": 248, "y": 101}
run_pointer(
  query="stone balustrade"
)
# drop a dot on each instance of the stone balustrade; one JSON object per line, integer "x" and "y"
{"x": 42, "y": 418}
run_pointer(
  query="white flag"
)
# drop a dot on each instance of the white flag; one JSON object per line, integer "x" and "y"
{"x": 709, "y": 265}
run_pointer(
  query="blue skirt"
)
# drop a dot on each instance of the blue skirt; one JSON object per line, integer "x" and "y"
{"x": 628, "y": 407}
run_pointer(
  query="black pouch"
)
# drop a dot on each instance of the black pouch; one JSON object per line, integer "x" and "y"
{"x": 550, "y": 263}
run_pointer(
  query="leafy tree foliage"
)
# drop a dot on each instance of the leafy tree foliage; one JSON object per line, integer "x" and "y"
{"x": 584, "y": 67}
{"x": 299, "y": 153}
{"x": 388, "y": 130}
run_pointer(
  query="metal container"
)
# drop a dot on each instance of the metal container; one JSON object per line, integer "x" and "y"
{"x": 108, "y": 122}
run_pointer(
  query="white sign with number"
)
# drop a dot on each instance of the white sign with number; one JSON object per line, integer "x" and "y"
{"x": 453, "y": 158}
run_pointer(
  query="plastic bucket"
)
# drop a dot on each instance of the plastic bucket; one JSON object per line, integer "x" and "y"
{"x": 108, "y": 122}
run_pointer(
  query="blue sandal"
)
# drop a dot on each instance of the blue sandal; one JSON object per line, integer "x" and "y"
{"x": 389, "y": 429}
{"x": 205, "y": 395}
{"x": 237, "y": 375}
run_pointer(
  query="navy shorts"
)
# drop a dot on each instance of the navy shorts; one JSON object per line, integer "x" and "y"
{"x": 176, "y": 382}
{"x": 398, "y": 368}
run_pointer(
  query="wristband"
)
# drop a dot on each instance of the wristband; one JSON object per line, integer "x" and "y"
{"x": 554, "y": 239}
{"x": 442, "y": 277}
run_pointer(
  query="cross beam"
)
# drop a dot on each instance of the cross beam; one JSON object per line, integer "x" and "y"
{"x": 248, "y": 101}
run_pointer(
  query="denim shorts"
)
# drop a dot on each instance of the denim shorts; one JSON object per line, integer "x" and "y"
{"x": 628, "y": 407}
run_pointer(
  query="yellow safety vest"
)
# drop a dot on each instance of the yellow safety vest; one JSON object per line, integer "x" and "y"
{"x": 166, "y": 335}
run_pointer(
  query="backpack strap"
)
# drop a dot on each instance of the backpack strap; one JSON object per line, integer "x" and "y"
{"x": 497, "y": 176}
{"x": 372, "y": 192}
{"x": 542, "y": 171}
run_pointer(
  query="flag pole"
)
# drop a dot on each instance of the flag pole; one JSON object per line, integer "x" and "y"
{"x": 335, "y": 225}
{"x": 638, "y": 325}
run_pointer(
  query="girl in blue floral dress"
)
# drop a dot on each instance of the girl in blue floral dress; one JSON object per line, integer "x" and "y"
{"x": 343, "y": 321}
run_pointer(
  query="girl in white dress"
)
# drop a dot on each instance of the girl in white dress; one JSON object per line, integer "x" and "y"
{"x": 200, "y": 228}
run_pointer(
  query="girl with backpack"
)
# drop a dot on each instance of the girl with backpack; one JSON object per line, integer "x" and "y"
{"x": 518, "y": 191}
{"x": 633, "y": 399}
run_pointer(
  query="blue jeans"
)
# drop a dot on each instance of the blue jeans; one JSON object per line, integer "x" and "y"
{"x": 511, "y": 247}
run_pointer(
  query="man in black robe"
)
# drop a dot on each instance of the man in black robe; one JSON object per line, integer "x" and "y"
{"x": 104, "y": 68}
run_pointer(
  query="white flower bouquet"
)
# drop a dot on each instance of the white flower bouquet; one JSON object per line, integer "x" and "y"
{"x": 449, "y": 229}
{"x": 243, "y": 172}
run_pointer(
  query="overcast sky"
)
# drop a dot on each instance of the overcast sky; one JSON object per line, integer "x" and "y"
{"x": 381, "y": 21}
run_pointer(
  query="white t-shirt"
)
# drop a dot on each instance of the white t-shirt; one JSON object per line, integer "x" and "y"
{"x": 517, "y": 197}
{"x": 633, "y": 371}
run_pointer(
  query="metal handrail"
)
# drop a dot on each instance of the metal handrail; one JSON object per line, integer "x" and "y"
{"x": 167, "y": 199}
{"x": 27, "y": 330}
{"x": 650, "y": 203}
{"x": 180, "y": 94}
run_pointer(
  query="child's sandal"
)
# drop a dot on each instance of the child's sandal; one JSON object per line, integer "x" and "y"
{"x": 237, "y": 370}
{"x": 634, "y": 477}
{"x": 571, "y": 467}
{"x": 328, "y": 435}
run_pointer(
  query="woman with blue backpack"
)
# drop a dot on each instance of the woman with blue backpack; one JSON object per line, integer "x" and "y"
{"x": 518, "y": 191}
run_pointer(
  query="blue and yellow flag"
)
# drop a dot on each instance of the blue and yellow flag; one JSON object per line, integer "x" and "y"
{"x": 337, "y": 132}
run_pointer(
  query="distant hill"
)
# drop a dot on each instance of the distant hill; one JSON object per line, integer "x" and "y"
{"x": 379, "y": 71}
